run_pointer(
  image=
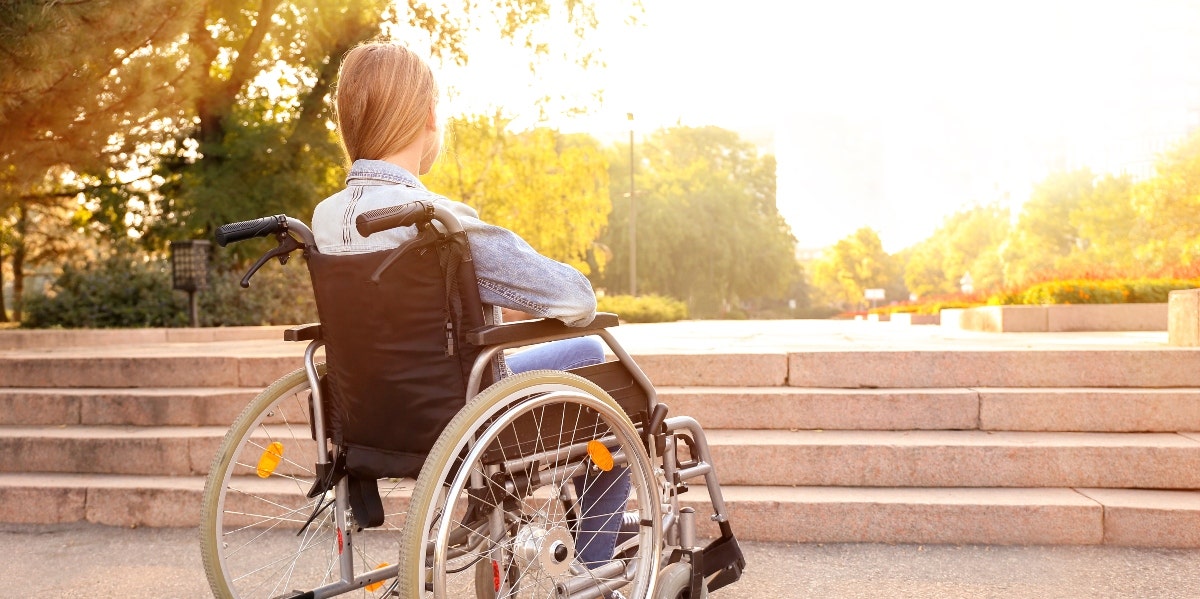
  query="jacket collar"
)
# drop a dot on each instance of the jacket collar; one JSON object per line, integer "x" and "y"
{"x": 367, "y": 172}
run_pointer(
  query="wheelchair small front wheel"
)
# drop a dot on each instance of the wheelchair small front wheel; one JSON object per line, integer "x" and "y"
{"x": 675, "y": 581}
{"x": 256, "y": 537}
{"x": 488, "y": 518}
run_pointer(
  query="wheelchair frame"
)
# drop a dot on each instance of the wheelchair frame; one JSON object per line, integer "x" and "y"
{"x": 707, "y": 568}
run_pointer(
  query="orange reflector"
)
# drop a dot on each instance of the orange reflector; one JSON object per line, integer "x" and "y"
{"x": 600, "y": 455}
{"x": 271, "y": 456}
{"x": 496, "y": 575}
{"x": 374, "y": 586}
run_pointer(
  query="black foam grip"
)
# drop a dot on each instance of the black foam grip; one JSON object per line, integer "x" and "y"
{"x": 247, "y": 229}
{"x": 380, "y": 219}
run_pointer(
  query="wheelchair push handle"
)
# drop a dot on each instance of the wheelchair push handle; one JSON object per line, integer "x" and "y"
{"x": 249, "y": 229}
{"x": 391, "y": 217}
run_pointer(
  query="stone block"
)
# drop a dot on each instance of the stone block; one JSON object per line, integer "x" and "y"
{"x": 799, "y": 408}
{"x": 99, "y": 452}
{"x": 1106, "y": 317}
{"x": 32, "y": 499}
{"x": 1149, "y": 518}
{"x": 908, "y": 318}
{"x": 25, "y": 407}
{"x": 261, "y": 371}
{"x": 994, "y": 368}
{"x": 154, "y": 506}
{"x": 1183, "y": 317}
{"x": 1001, "y": 319}
{"x": 883, "y": 515}
{"x": 955, "y": 459}
{"x": 164, "y": 407}
{"x": 126, "y": 371}
{"x": 1095, "y": 410}
{"x": 715, "y": 370}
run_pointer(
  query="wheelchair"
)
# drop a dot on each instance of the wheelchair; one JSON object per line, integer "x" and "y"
{"x": 312, "y": 494}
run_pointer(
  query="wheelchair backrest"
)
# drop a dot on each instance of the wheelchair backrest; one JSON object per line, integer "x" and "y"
{"x": 398, "y": 358}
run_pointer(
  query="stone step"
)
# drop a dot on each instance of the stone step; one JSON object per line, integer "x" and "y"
{"x": 778, "y": 514}
{"x": 991, "y": 516}
{"x": 107, "y": 371}
{"x": 1008, "y": 367}
{"x": 1021, "y": 409}
{"x": 180, "y": 406}
{"x": 1029, "y": 409}
{"x": 742, "y": 457}
{"x": 166, "y": 451}
{"x": 217, "y": 365}
{"x": 957, "y": 459}
{"x": 142, "y": 367}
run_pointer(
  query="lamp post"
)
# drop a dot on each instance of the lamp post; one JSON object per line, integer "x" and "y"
{"x": 189, "y": 271}
{"x": 632, "y": 216}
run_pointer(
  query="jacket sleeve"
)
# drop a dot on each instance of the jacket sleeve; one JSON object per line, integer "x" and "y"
{"x": 513, "y": 275}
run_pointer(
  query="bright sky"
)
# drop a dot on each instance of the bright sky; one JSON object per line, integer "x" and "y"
{"x": 890, "y": 114}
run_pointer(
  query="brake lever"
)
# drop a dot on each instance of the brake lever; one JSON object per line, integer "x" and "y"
{"x": 283, "y": 251}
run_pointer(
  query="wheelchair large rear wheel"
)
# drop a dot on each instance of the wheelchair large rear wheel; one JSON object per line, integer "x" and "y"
{"x": 490, "y": 518}
{"x": 256, "y": 536}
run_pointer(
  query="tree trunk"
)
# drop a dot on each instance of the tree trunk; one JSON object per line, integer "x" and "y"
{"x": 18, "y": 261}
{"x": 3, "y": 308}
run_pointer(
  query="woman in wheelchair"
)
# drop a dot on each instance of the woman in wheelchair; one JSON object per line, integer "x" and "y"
{"x": 545, "y": 473}
{"x": 387, "y": 118}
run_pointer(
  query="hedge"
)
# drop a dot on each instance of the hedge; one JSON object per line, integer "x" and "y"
{"x": 643, "y": 308}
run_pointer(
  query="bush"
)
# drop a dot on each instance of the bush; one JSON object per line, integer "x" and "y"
{"x": 117, "y": 292}
{"x": 645, "y": 308}
{"x": 124, "y": 292}
{"x": 278, "y": 294}
{"x": 1113, "y": 291}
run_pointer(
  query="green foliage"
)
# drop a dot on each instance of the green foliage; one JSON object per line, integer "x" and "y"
{"x": 708, "y": 231}
{"x": 644, "y": 308}
{"x": 1167, "y": 206}
{"x": 549, "y": 188}
{"x": 1119, "y": 291}
{"x": 967, "y": 242}
{"x": 1044, "y": 232}
{"x": 136, "y": 292}
{"x": 117, "y": 292}
{"x": 854, "y": 264}
{"x": 278, "y": 295}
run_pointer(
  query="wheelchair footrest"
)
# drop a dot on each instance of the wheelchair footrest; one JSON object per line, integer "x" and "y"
{"x": 723, "y": 560}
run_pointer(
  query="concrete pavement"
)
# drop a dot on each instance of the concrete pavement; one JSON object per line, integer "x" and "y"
{"x": 86, "y": 560}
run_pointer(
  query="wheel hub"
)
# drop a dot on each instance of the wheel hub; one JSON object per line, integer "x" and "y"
{"x": 549, "y": 551}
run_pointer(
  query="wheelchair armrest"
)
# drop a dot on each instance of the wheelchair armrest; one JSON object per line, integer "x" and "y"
{"x": 529, "y": 330}
{"x": 304, "y": 332}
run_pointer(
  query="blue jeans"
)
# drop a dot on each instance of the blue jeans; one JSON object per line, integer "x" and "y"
{"x": 602, "y": 496}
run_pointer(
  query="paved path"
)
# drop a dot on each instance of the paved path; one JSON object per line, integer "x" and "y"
{"x": 82, "y": 560}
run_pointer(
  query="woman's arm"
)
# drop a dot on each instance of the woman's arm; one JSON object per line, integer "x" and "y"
{"x": 513, "y": 275}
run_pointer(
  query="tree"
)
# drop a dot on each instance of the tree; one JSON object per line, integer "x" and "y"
{"x": 1043, "y": 234}
{"x": 708, "y": 231}
{"x": 549, "y": 188}
{"x": 854, "y": 264}
{"x": 968, "y": 241}
{"x": 79, "y": 84}
{"x": 1108, "y": 227}
{"x": 173, "y": 117}
{"x": 1167, "y": 205}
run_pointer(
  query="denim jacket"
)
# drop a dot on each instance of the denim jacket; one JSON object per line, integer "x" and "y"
{"x": 511, "y": 274}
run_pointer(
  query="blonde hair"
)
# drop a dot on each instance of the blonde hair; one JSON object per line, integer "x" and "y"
{"x": 384, "y": 96}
